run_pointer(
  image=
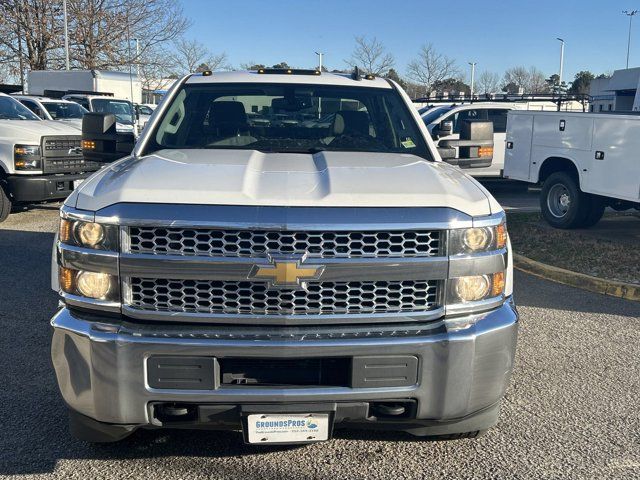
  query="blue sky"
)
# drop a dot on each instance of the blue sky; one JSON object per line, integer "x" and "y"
{"x": 496, "y": 34}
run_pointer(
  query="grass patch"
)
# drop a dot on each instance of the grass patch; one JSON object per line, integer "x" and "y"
{"x": 574, "y": 250}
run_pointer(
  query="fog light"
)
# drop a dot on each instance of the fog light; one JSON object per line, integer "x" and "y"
{"x": 471, "y": 289}
{"x": 477, "y": 238}
{"x": 90, "y": 234}
{"x": 93, "y": 284}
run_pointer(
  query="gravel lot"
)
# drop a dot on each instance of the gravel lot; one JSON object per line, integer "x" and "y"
{"x": 572, "y": 410}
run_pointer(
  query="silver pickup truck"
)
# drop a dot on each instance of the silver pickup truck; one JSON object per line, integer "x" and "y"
{"x": 284, "y": 252}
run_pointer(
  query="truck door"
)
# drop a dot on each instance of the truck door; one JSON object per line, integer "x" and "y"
{"x": 498, "y": 116}
{"x": 614, "y": 164}
{"x": 517, "y": 162}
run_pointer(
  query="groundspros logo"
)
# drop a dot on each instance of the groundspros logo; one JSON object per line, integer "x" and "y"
{"x": 309, "y": 423}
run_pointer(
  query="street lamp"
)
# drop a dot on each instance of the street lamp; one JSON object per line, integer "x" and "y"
{"x": 320, "y": 54}
{"x": 561, "y": 64}
{"x": 473, "y": 77}
{"x": 630, "y": 14}
{"x": 66, "y": 34}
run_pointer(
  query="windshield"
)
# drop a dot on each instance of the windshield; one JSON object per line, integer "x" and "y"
{"x": 64, "y": 110}
{"x": 11, "y": 109}
{"x": 433, "y": 114}
{"x": 289, "y": 118}
{"x": 122, "y": 109}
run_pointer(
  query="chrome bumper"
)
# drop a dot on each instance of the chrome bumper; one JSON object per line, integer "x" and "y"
{"x": 463, "y": 367}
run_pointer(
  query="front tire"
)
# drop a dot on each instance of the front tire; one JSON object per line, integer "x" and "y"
{"x": 562, "y": 202}
{"x": 5, "y": 205}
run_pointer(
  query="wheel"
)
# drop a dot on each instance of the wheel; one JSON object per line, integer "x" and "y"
{"x": 562, "y": 202}
{"x": 596, "y": 210}
{"x": 5, "y": 205}
{"x": 92, "y": 431}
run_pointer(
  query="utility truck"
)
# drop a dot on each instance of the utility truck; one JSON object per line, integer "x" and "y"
{"x": 320, "y": 267}
{"x": 55, "y": 83}
{"x": 584, "y": 162}
{"x": 39, "y": 159}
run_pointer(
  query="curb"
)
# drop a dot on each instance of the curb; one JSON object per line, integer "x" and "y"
{"x": 611, "y": 288}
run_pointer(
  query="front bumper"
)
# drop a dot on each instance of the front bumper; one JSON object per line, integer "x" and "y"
{"x": 463, "y": 366}
{"x": 39, "y": 188}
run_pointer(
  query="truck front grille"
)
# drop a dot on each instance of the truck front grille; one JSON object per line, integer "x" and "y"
{"x": 255, "y": 298}
{"x": 69, "y": 165}
{"x": 257, "y": 243}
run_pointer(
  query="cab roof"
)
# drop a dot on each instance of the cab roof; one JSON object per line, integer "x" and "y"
{"x": 336, "y": 79}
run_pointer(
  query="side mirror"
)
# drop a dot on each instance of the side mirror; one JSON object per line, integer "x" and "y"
{"x": 100, "y": 140}
{"x": 475, "y": 146}
{"x": 444, "y": 128}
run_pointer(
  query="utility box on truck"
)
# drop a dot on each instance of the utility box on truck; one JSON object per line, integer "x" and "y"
{"x": 119, "y": 84}
{"x": 584, "y": 161}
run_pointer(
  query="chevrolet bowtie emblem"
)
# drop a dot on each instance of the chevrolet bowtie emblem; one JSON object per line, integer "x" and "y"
{"x": 286, "y": 273}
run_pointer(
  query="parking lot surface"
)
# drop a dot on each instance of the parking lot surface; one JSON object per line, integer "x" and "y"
{"x": 572, "y": 410}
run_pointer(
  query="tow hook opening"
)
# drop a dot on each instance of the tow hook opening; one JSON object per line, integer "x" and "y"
{"x": 392, "y": 409}
{"x": 175, "y": 413}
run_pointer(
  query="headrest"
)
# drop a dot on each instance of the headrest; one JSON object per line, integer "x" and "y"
{"x": 225, "y": 112}
{"x": 351, "y": 121}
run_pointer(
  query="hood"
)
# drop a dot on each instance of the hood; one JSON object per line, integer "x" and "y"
{"x": 249, "y": 177}
{"x": 20, "y": 131}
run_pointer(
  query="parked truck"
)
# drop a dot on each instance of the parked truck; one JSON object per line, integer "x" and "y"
{"x": 99, "y": 82}
{"x": 585, "y": 162}
{"x": 282, "y": 278}
{"x": 39, "y": 159}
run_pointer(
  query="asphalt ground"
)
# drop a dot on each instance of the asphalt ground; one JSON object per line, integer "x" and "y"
{"x": 571, "y": 411}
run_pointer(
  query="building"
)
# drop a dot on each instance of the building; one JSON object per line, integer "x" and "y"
{"x": 618, "y": 93}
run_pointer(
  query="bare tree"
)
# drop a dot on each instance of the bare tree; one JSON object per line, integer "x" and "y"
{"x": 30, "y": 33}
{"x": 191, "y": 56}
{"x": 431, "y": 67}
{"x": 488, "y": 82}
{"x": 519, "y": 77}
{"x": 103, "y": 31}
{"x": 537, "y": 81}
{"x": 371, "y": 56}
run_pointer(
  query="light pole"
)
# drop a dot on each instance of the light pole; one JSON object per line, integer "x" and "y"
{"x": 561, "y": 64}
{"x": 66, "y": 34}
{"x": 320, "y": 54}
{"x": 473, "y": 77}
{"x": 630, "y": 14}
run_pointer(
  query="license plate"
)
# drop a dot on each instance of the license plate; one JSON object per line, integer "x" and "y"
{"x": 77, "y": 183}
{"x": 271, "y": 428}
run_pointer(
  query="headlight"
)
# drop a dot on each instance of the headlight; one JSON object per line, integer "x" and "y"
{"x": 466, "y": 241}
{"x": 96, "y": 285}
{"x": 476, "y": 288}
{"x": 27, "y": 157}
{"x": 88, "y": 234}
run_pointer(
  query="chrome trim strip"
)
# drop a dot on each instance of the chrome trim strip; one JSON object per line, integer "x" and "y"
{"x": 478, "y": 263}
{"x": 70, "y": 213}
{"x": 489, "y": 220}
{"x": 239, "y": 268}
{"x": 282, "y": 319}
{"x": 84, "y": 302}
{"x": 474, "y": 307}
{"x": 89, "y": 259}
{"x": 283, "y": 218}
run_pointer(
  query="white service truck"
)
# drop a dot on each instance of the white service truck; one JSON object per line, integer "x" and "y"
{"x": 116, "y": 84}
{"x": 39, "y": 159}
{"x": 584, "y": 161}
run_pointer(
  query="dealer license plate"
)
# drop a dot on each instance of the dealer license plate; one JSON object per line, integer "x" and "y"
{"x": 281, "y": 428}
{"x": 77, "y": 183}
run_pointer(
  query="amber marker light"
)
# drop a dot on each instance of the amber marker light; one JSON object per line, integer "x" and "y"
{"x": 501, "y": 236}
{"x": 67, "y": 279}
{"x": 498, "y": 284}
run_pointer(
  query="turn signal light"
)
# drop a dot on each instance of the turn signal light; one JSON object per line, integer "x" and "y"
{"x": 485, "y": 152}
{"x": 67, "y": 279}
{"x": 497, "y": 287}
{"x": 501, "y": 236}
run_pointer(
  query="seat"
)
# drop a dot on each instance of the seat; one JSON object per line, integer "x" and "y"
{"x": 350, "y": 122}
{"x": 227, "y": 118}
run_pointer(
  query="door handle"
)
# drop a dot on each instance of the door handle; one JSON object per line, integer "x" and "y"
{"x": 599, "y": 155}
{"x": 509, "y": 145}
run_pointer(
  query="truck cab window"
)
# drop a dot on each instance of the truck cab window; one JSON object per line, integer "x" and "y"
{"x": 499, "y": 119}
{"x": 472, "y": 114}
